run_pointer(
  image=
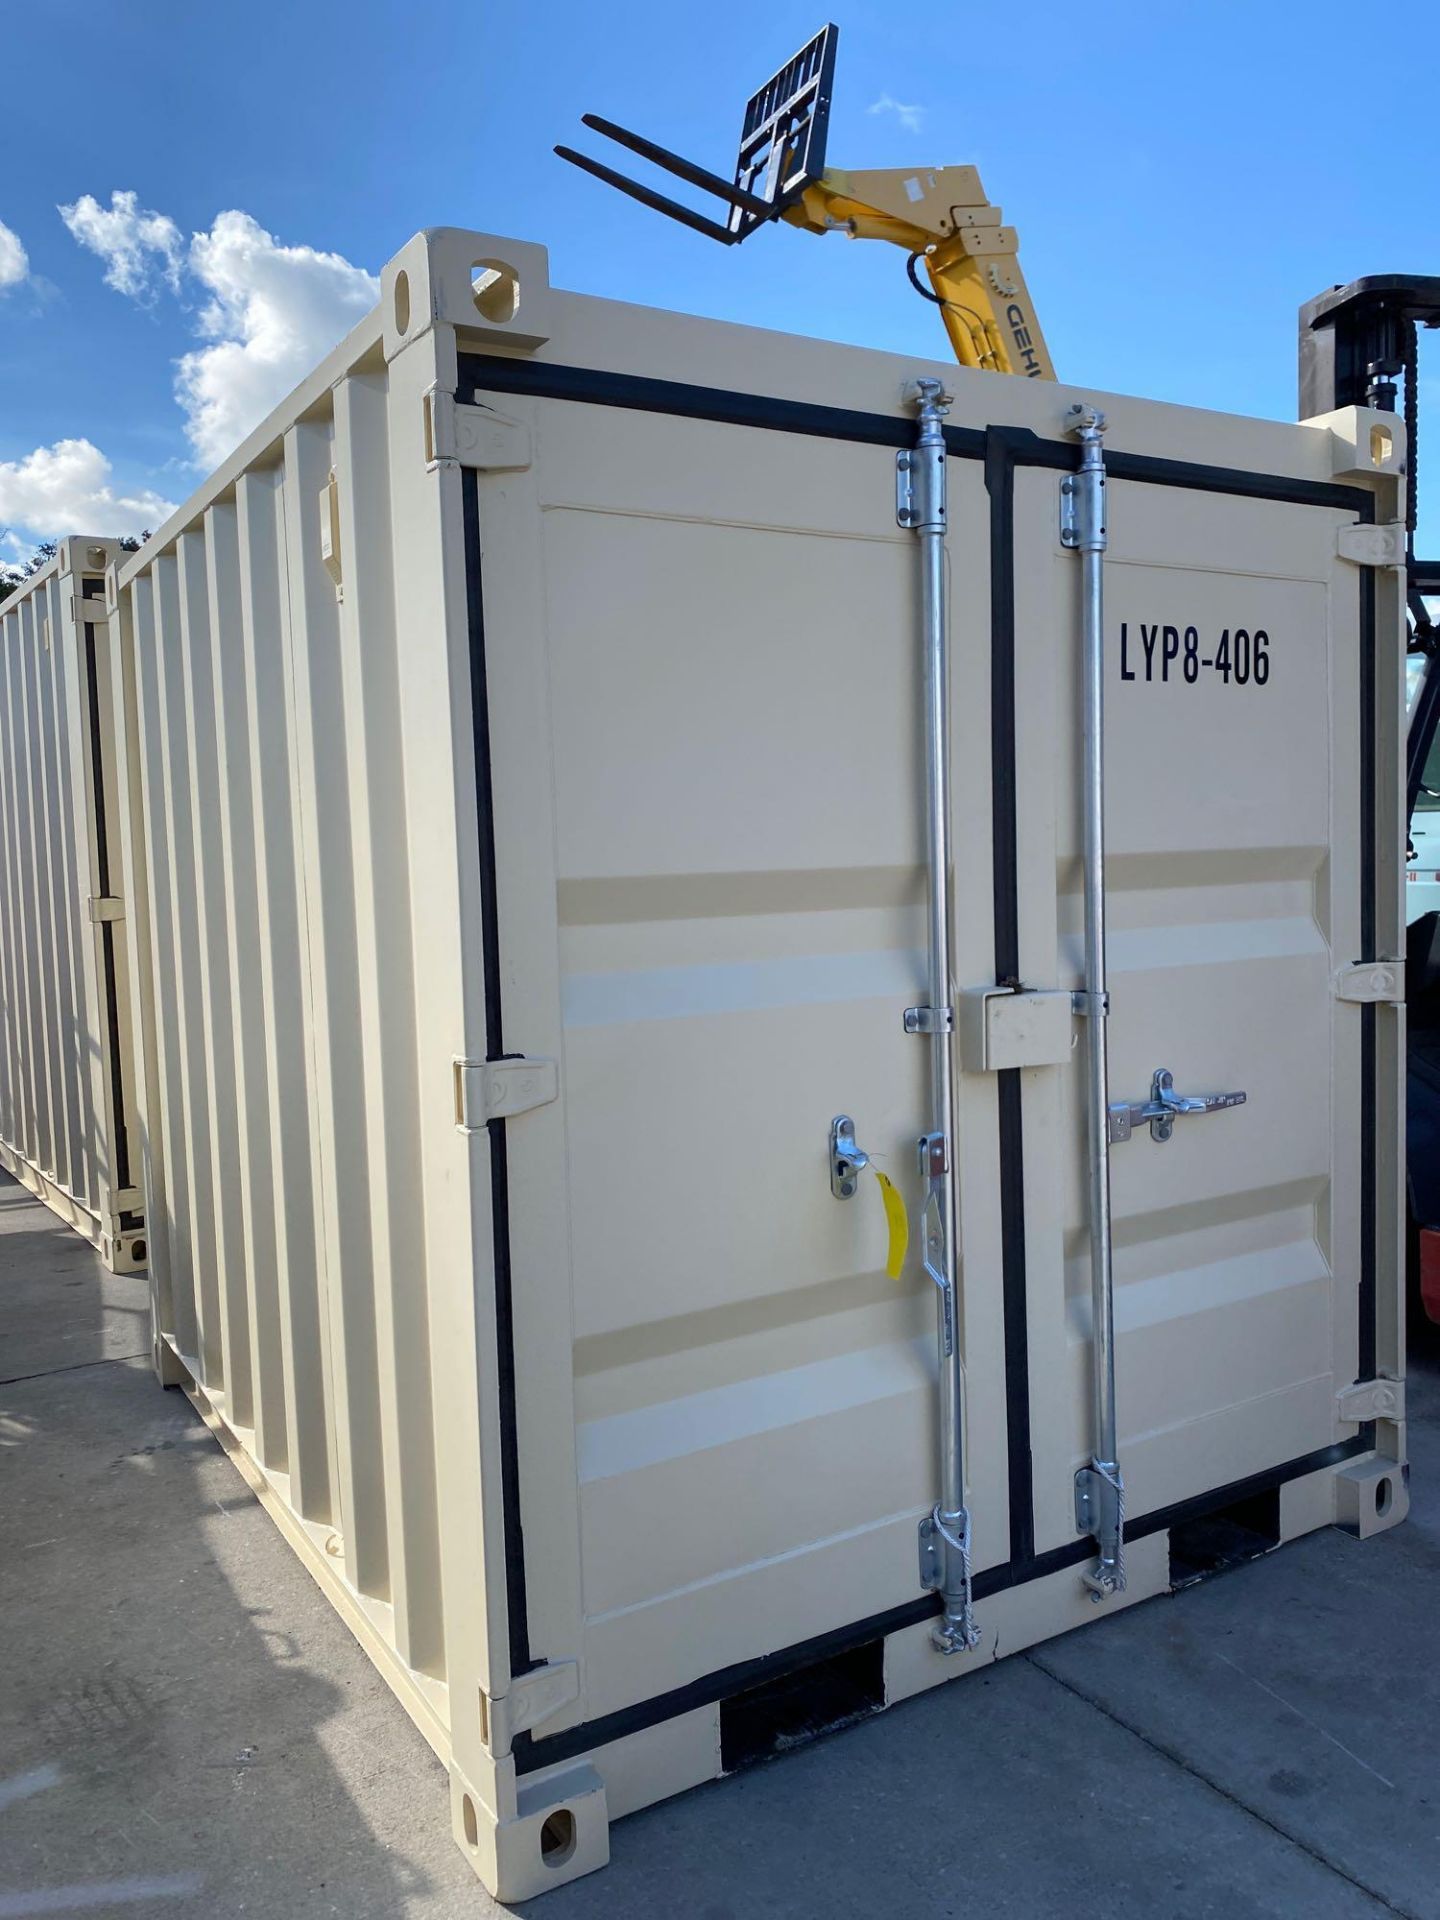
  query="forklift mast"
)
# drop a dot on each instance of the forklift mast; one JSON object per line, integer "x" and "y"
{"x": 1359, "y": 347}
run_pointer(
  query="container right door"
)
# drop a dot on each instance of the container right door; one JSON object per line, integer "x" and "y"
{"x": 1238, "y": 887}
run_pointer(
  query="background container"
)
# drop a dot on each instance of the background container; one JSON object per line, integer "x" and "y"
{"x": 525, "y": 773}
{"x": 65, "y": 1041}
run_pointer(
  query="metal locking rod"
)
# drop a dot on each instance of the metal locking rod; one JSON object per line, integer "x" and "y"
{"x": 945, "y": 1535}
{"x": 1099, "y": 1489}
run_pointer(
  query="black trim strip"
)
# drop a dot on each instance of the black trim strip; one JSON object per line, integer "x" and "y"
{"x": 479, "y": 373}
{"x": 1369, "y": 1159}
{"x": 531, "y": 1753}
{"x": 1000, "y": 486}
{"x": 1027, "y": 449}
{"x": 492, "y": 373}
{"x": 516, "y": 1603}
{"x": 115, "y": 1063}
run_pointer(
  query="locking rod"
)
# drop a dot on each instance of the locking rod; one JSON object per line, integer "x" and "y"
{"x": 1100, "y": 1491}
{"x": 945, "y": 1535}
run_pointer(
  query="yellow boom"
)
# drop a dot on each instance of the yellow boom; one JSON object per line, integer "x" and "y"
{"x": 945, "y": 223}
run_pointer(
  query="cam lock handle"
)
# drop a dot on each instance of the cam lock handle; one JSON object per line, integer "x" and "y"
{"x": 1163, "y": 1107}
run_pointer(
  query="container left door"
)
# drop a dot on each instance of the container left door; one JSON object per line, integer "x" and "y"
{"x": 701, "y": 677}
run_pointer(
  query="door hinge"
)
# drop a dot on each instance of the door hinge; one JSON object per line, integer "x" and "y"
{"x": 89, "y": 608}
{"x": 1371, "y": 1400}
{"x": 469, "y": 436}
{"x": 487, "y": 1090}
{"x": 534, "y": 1698}
{"x": 1006, "y": 1027}
{"x": 1372, "y": 546}
{"x": 105, "y": 907}
{"x": 1372, "y": 982}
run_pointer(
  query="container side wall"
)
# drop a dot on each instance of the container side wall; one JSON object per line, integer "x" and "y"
{"x": 131, "y": 853}
{"x": 390, "y": 1213}
{"x": 242, "y": 1148}
{"x": 302, "y": 726}
{"x": 168, "y": 1194}
{"x": 62, "y": 1110}
{"x": 17, "y": 1122}
{"x": 270, "y": 1009}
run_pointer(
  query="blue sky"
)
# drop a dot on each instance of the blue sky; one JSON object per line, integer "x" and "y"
{"x": 1182, "y": 176}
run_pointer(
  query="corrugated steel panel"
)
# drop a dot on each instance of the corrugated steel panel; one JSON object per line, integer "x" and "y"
{"x": 542, "y": 680}
{"x": 66, "y": 1111}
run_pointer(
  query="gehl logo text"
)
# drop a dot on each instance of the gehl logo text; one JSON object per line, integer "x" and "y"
{"x": 1020, "y": 334}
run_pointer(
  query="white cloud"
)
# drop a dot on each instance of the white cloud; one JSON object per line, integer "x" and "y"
{"x": 910, "y": 118}
{"x": 134, "y": 242}
{"x": 67, "y": 488}
{"x": 269, "y": 311}
{"x": 14, "y": 263}
{"x": 273, "y": 312}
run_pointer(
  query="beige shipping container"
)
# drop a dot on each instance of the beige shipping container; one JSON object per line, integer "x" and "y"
{"x": 528, "y": 790}
{"x": 65, "y": 1044}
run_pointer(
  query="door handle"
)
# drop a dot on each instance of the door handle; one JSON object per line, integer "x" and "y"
{"x": 1163, "y": 1107}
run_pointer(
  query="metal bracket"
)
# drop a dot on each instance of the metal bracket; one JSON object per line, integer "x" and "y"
{"x": 1163, "y": 1108}
{"x": 1082, "y": 495}
{"x": 920, "y": 481}
{"x": 945, "y": 1568}
{"x": 472, "y": 436}
{"x": 847, "y": 1160}
{"x": 534, "y": 1698}
{"x": 933, "y": 1155}
{"x": 1070, "y": 511}
{"x": 929, "y": 1019}
{"x": 1372, "y": 546}
{"x": 1100, "y": 1511}
{"x": 932, "y": 1557}
{"x": 1372, "y": 983}
{"x": 105, "y": 906}
{"x": 487, "y": 1090}
{"x": 1371, "y": 1400}
{"x": 933, "y": 1151}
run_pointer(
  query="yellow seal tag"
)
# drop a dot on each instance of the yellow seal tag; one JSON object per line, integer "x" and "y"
{"x": 898, "y": 1221}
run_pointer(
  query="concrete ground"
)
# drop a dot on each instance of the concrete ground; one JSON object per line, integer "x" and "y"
{"x": 186, "y": 1729}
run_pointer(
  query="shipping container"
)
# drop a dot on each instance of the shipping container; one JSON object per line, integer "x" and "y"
{"x": 65, "y": 1040}
{"x": 604, "y": 782}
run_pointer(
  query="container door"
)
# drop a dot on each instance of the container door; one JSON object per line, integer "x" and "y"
{"x": 704, "y": 721}
{"x": 1237, "y": 891}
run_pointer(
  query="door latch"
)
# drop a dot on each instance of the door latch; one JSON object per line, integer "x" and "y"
{"x": 847, "y": 1161}
{"x": 1162, "y": 1108}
